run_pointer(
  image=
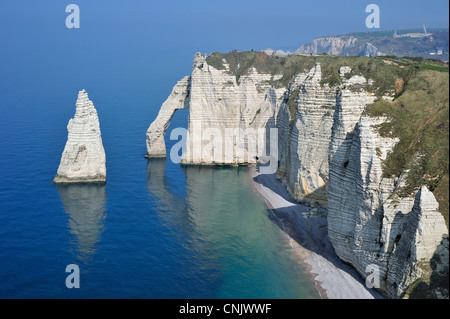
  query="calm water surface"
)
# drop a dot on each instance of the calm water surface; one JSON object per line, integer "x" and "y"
{"x": 155, "y": 230}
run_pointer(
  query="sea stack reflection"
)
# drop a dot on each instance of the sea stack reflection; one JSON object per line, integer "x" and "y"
{"x": 86, "y": 206}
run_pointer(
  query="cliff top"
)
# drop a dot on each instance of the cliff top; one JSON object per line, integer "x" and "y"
{"x": 382, "y": 70}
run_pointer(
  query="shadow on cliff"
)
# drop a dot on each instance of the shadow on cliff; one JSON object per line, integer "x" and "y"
{"x": 438, "y": 286}
{"x": 311, "y": 233}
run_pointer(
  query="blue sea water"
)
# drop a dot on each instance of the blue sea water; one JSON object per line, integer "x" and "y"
{"x": 155, "y": 230}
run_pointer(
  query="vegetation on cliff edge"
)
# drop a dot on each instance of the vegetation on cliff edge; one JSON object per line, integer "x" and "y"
{"x": 419, "y": 117}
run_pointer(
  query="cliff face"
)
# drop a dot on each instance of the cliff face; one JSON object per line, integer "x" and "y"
{"x": 379, "y": 43}
{"x": 339, "y": 45}
{"x": 178, "y": 99}
{"x": 83, "y": 158}
{"x": 324, "y": 115}
{"x": 224, "y": 112}
{"x": 307, "y": 167}
{"x": 335, "y": 160}
{"x": 368, "y": 225}
{"x": 330, "y": 152}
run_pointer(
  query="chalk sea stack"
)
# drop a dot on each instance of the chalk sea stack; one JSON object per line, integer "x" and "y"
{"x": 83, "y": 159}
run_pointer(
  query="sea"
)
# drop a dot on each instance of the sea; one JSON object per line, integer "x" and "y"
{"x": 156, "y": 229}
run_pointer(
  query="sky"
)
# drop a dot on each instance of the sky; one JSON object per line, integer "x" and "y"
{"x": 222, "y": 25}
{"x": 152, "y": 42}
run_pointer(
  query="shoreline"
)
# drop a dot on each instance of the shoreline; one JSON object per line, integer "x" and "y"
{"x": 309, "y": 241}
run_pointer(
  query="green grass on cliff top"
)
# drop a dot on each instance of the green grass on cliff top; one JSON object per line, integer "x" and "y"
{"x": 420, "y": 119}
{"x": 377, "y": 69}
{"x": 419, "y": 113}
{"x": 241, "y": 62}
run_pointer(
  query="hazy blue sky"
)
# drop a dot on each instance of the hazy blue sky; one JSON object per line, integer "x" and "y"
{"x": 221, "y": 25}
{"x": 152, "y": 43}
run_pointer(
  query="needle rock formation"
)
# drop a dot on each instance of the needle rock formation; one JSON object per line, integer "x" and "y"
{"x": 83, "y": 159}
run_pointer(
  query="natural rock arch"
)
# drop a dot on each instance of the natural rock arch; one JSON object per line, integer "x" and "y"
{"x": 178, "y": 99}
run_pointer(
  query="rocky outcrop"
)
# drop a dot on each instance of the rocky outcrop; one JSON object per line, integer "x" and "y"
{"x": 334, "y": 158}
{"x": 329, "y": 154}
{"x": 230, "y": 110}
{"x": 307, "y": 173}
{"x": 83, "y": 158}
{"x": 371, "y": 50}
{"x": 424, "y": 229}
{"x": 367, "y": 224}
{"x": 345, "y": 45}
{"x": 224, "y": 113}
{"x": 178, "y": 99}
{"x": 324, "y": 115}
{"x": 329, "y": 45}
{"x": 339, "y": 45}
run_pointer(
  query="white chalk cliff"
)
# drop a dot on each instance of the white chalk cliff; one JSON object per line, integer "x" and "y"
{"x": 224, "y": 106}
{"x": 345, "y": 45}
{"x": 339, "y": 45}
{"x": 369, "y": 225}
{"x": 83, "y": 158}
{"x": 178, "y": 99}
{"x": 329, "y": 154}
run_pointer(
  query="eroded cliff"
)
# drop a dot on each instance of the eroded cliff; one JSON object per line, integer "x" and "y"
{"x": 83, "y": 158}
{"x": 338, "y": 142}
